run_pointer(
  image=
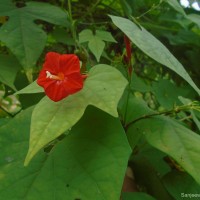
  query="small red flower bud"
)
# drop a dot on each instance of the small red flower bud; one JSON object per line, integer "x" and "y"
{"x": 128, "y": 47}
{"x": 60, "y": 75}
{"x": 128, "y": 53}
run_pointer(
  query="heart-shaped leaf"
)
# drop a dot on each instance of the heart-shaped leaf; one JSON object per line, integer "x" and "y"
{"x": 93, "y": 156}
{"x": 103, "y": 88}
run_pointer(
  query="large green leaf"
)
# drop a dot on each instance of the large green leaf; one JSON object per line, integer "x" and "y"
{"x": 103, "y": 89}
{"x": 24, "y": 38}
{"x": 128, "y": 105}
{"x": 132, "y": 108}
{"x": 174, "y": 139}
{"x": 88, "y": 164}
{"x": 8, "y": 70}
{"x": 152, "y": 47}
{"x": 6, "y": 6}
{"x": 180, "y": 184}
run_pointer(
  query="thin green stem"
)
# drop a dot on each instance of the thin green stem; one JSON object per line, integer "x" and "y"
{"x": 128, "y": 95}
{"x": 152, "y": 8}
{"x": 175, "y": 110}
{"x": 91, "y": 10}
{"x": 70, "y": 10}
{"x": 186, "y": 118}
{"x": 72, "y": 22}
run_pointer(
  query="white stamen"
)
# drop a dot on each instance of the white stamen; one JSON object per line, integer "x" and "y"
{"x": 49, "y": 75}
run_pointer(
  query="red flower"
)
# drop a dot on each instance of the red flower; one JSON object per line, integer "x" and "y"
{"x": 60, "y": 75}
{"x": 128, "y": 53}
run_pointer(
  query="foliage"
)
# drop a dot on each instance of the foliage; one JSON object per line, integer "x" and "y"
{"x": 139, "y": 105}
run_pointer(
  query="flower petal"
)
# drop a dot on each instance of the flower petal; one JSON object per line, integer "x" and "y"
{"x": 74, "y": 83}
{"x": 56, "y": 91}
{"x": 69, "y": 63}
{"x": 52, "y": 62}
{"x": 42, "y": 78}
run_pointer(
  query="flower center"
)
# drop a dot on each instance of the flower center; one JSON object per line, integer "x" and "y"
{"x": 60, "y": 76}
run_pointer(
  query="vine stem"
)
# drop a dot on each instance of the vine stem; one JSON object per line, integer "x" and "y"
{"x": 72, "y": 22}
{"x": 177, "y": 109}
{"x": 91, "y": 10}
{"x": 152, "y": 8}
{"x": 70, "y": 10}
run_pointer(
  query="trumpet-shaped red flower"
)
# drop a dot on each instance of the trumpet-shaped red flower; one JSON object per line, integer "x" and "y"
{"x": 60, "y": 75}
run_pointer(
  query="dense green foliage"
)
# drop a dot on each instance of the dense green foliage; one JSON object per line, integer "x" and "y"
{"x": 140, "y": 110}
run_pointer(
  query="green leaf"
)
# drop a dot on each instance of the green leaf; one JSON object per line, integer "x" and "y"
{"x": 98, "y": 143}
{"x": 148, "y": 178}
{"x": 155, "y": 157}
{"x": 47, "y": 12}
{"x": 96, "y": 46}
{"x": 180, "y": 184}
{"x": 25, "y": 39}
{"x": 194, "y": 18}
{"x": 128, "y": 105}
{"x": 184, "y": 37}
{"x": 193, "y": 114}
{"x": 103, "y": 88}
{"x": 136, "y": 195}
{"x": 96, "y": 41}
{"x": 61, "y": 35}
{"x": 85, "y": 35}
{"x": 6, "y": 6}
{"x": 105, "y": 36}
{"x": 9, "y": 67}
{"x": 126, "y": 7}
{"x": 176, "y": 5}
{"x": 175, "y": 140}
{"x": 3, "y": 121}
{"x": 131, "y": 109}
{"x": 138, "y": 84}
{"x": 93, "y": 156}
{"x": 152, "y": 47}
{"x": 167, "y": 93}
{"x": 31, "y": 88}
